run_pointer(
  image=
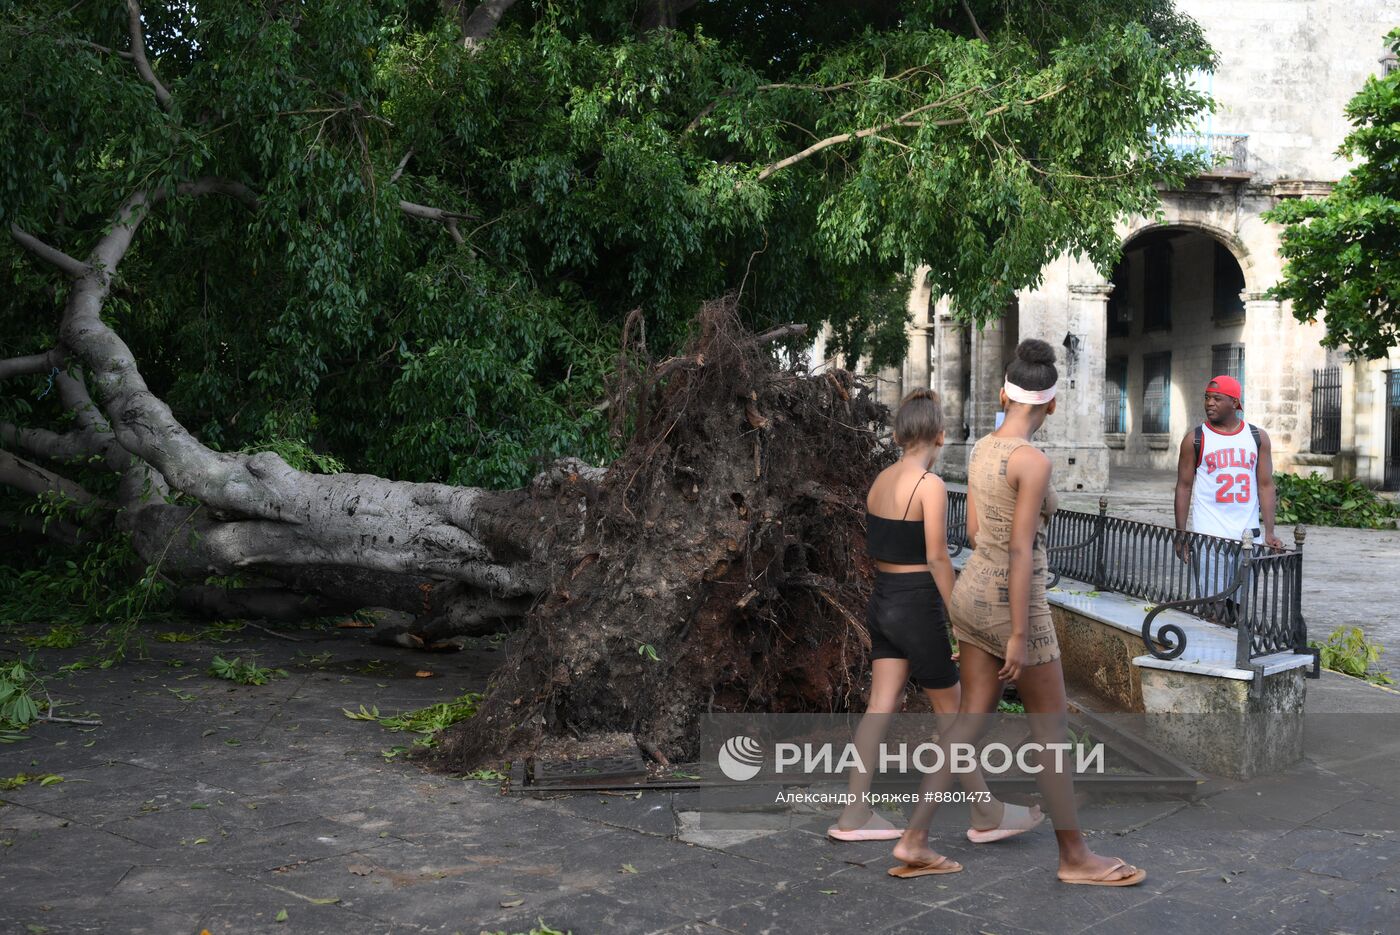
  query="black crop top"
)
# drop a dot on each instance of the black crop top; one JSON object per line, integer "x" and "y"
{"x": 897, "y": 541}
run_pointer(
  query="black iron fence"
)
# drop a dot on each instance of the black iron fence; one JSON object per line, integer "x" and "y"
{"x": 1327, "y": 411}
{"x": 1256, "y": 590}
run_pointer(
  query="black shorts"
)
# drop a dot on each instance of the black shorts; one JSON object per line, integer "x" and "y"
{"x": 907, "y": 621}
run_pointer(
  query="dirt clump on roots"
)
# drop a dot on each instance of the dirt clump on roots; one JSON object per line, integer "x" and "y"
{"x": 718, "y": 566}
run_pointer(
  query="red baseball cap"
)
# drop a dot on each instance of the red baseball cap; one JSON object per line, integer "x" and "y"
{"x": 1227, "y": 385}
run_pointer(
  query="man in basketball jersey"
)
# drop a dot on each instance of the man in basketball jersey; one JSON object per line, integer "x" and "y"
{"x": 1225, "y": 478}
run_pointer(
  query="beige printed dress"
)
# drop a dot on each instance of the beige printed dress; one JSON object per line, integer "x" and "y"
{"x": 980, "y": 610}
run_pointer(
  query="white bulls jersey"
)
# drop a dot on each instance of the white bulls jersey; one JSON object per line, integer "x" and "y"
{"x": 1225, "y": 497}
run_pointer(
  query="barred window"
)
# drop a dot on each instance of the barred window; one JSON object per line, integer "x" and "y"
{"x": 1115, "y": 396}
{"x": 1156, "y": 393}
{"x": 1227, "y": 359}
{"x": 1327, "y": 411}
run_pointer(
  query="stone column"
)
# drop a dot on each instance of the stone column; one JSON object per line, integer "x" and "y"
{"x": 1073, "y": 436}
{"x": 950, "y": 370}
{"x": 988, "y": 370}
{"x": 889, "y": 386}
{"x": 920, "y": 331}
{"x": 1271, "y": 380}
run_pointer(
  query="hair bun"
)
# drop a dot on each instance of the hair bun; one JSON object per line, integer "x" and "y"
{"x": 1035, "y": 351}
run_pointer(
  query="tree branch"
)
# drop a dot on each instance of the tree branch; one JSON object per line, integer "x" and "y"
{"x": 33, "y": 363}
{"x": 975, "y": 27}
{"x": 482, "y": 21}
{"x": 138, "y": 54}
{"x": 780, "y": 332}
{"x": 73, "y": 269}
{"x": 398, "y": 169}
{"x": 447, "y": 219}
{"x": 56, "y": 529}
{"x": 43, "y": 443}
{"x": 29, "y": 477}
{"x": 785, "y": 86}
{"x": 98, "y": 48}
{"x": 905, "y": 120}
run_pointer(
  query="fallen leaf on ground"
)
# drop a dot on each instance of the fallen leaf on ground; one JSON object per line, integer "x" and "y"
{"x": 328, "y": 901}
{"x": 281, "y": 916}
{"x": 628, "y": 868}
{"x": 827, "y": 892}
{"x": 424, "y": 674}
{"x": 360, "y": 870}
{"x": 511, "y": 903}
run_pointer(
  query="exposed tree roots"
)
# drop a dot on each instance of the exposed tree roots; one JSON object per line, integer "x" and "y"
{"x": 719, "y": 565}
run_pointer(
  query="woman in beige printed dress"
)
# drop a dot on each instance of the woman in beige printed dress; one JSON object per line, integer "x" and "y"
{"x": 1002, "y": 622}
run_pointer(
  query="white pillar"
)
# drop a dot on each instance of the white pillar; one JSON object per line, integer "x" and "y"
{"x": 988, "y": 371}
{"x": 1271, "y": 380}
{"x": 950, "y": 370}
{"x": 1073, "y": 436}
{"x": 920, "y": 333}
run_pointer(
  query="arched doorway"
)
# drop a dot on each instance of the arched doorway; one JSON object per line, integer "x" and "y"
{"x": 1176, "y": 317}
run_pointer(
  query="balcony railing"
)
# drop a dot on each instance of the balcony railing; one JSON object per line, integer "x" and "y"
{"x": 1259, "y": 592}
{"x": 1224, "y": 151}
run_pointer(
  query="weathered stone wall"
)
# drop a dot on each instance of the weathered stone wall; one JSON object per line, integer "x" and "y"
{"x": 1286, "y": 70}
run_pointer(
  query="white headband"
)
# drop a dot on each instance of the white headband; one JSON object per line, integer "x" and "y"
{"x": 1034, "y": 397}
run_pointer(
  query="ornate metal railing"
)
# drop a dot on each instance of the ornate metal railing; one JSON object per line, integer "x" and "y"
{"x": 1222, "y": 150}
{"x": 1225, "y": 581}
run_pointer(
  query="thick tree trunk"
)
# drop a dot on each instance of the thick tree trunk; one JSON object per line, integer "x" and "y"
{"x": 710, "y": 568}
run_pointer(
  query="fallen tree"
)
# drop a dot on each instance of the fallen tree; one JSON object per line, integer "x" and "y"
{"x": 713, "y": 565}
{"x": 254, "y": 247}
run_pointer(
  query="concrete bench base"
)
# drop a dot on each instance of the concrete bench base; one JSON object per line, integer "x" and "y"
{"x": 1222, "y": 725}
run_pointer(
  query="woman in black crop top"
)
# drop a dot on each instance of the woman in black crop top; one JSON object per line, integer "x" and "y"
{"x": 906, "y": 535}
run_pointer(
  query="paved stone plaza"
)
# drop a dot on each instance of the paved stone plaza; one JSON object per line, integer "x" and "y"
{"x": 201, "y": 805}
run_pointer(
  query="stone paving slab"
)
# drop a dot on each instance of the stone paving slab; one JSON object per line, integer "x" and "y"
{"x": 164, "y": 826}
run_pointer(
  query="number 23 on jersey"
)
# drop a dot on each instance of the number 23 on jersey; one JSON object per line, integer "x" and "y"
{"x": 1234, "y": 488}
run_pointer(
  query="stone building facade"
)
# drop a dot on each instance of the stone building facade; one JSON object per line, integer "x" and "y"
{"x": 1187, "y": 298}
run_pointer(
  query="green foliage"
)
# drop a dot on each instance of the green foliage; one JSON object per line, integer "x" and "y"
{"x": 19, "y": 700}
{"x": 244, "y": 673}
{"x": 485, "y": 775}
{"x": 59, "y": 636}
{"x": 1348, "y": 651}
{"x": 595, "y": 170}
{"x": 1010, "y": 707}
{"x": 297, "y": 453}
{"x": 1343, "y": 251}
{"x": 20, "y": 780}
{"x": 98, "y": 590}
{"x": 426, "y": 722}
{"x": 1317, "y": 501}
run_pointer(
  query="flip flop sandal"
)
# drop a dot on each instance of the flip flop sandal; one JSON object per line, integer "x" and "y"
{"x": 864, "y": 834}
{"x": 941, "y": 865}
{"x": 1022, "y": 823}
{"x": 1133, "y": 879}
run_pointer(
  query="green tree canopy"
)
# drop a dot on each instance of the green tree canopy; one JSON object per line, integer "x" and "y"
{"x": 1343, "y": 251}
{"x": 445, "y": 237}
